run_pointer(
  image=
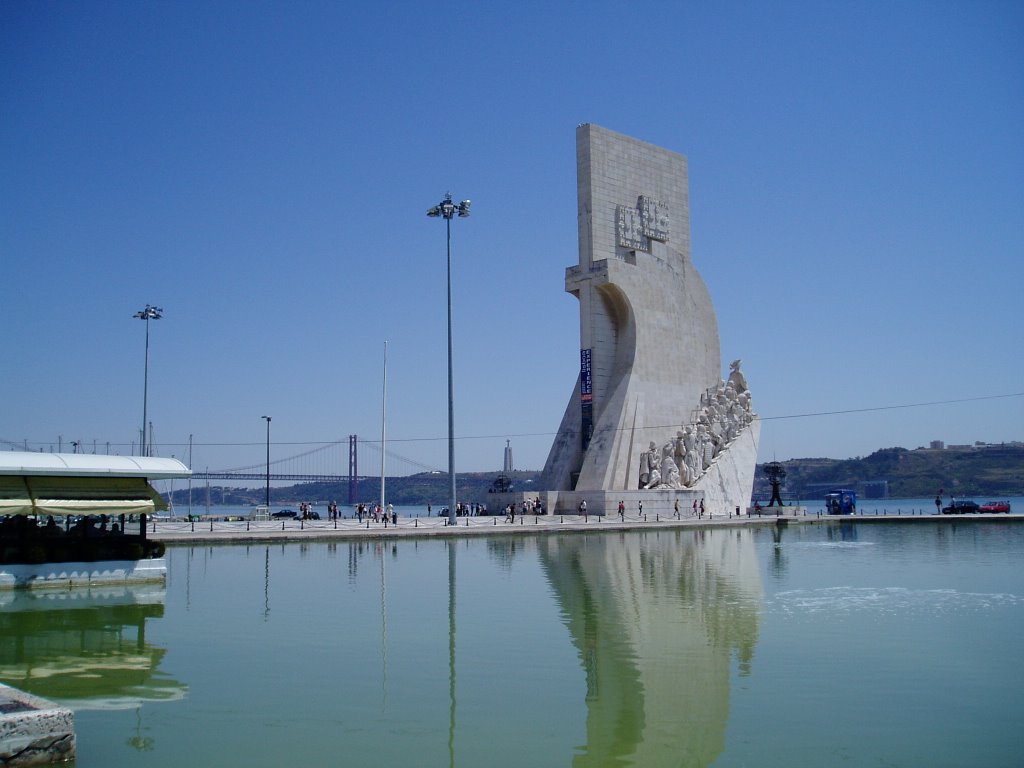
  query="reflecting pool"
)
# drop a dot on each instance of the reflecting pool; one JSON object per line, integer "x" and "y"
{"x": 862, "y": 643}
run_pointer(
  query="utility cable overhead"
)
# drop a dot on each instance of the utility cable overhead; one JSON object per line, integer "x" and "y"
{"x": 318, "y": 445}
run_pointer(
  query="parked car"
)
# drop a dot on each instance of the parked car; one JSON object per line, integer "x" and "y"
{"x": 962, "y": 507}
{"x": 290, "y": 514}
{"x": 995, "y": 506}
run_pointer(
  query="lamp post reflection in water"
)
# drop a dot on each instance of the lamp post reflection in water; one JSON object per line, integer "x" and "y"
{"x": 451, "y": 652}
{"x": 383, "y": 627}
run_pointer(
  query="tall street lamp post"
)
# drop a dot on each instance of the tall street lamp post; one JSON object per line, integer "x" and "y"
{"x": 268, "y": 462}
{"x": 447, "y": 209}
{"x": 147, "y": 314}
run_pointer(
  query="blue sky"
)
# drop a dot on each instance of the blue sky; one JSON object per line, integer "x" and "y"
{"x": 261, "y": 171}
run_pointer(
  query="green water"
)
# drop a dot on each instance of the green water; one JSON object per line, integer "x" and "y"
{"x": 865, "y": 644}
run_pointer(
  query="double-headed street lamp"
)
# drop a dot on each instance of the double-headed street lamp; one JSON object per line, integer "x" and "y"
{"x": 448, "y": 209}
{"x": 268, "y": 461}
{"x": 147, "y": 314}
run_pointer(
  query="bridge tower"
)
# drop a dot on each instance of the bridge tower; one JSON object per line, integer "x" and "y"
{"x": 353, "y": 470}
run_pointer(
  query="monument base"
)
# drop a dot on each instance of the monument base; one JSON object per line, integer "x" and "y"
{"x": 724, "y": 488}
{"x": 777, "y": 511}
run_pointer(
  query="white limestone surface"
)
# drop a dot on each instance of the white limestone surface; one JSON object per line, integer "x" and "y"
{"x": 649, "y": 343}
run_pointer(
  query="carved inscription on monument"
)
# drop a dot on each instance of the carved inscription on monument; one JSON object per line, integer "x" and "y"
{"x": 629, "y": 229}
{"x": 635, "y": 227}
{"x": 654, "y": 218}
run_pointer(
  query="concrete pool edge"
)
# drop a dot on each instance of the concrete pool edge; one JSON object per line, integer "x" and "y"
{"x": 33, "y": 730}
{"x": 531, "y": 525}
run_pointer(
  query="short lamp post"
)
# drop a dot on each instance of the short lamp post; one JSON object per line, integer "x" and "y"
{"x": 268, "y": 461}
{"x": 147, "y": 314}
{"x": 447, "y": 209}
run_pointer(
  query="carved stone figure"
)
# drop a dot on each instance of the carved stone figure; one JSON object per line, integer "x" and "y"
{"x": 669, "y": 468}
{"x": 650, "y": 467}
{"x": 736, "y": 377}
{"x": 645, "y": 467}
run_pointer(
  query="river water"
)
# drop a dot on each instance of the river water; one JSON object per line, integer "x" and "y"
{"x": 860, "y": 644}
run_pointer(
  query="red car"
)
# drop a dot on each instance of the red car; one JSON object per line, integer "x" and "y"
{"x": 995, "y": 506}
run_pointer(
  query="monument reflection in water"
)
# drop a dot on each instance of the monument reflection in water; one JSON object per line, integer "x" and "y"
{"x": 657, "y": 620}
{"x": 614, "y": 649}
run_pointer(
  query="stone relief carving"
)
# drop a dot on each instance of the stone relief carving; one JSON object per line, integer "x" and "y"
{"x": 724, "y": 412}
{"x": 654, "y": 218}
{"x": 636, "y": 226}
{"x": 629, "y": 228}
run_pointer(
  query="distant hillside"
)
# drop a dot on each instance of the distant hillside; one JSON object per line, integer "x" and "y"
{"x": 991, "y": 470}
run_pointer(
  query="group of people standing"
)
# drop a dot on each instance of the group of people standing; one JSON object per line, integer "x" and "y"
{"x": 535, "y": 507}
{"x": 698, "y": 508}
{"x": 377, "y": 513}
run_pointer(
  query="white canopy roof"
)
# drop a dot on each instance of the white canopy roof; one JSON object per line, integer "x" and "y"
{"x": 90, "y": 465}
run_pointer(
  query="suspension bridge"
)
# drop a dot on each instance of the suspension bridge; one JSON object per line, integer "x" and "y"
{"x": 336, "y": 462}
{"x": 330, "y": 462}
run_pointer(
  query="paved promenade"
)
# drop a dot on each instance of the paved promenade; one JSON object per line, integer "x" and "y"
{"x": 208, "y": 531}
{"x": 219, "y": 532}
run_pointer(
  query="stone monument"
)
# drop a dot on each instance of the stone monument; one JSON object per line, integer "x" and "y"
{"x": 650, "y": 419}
